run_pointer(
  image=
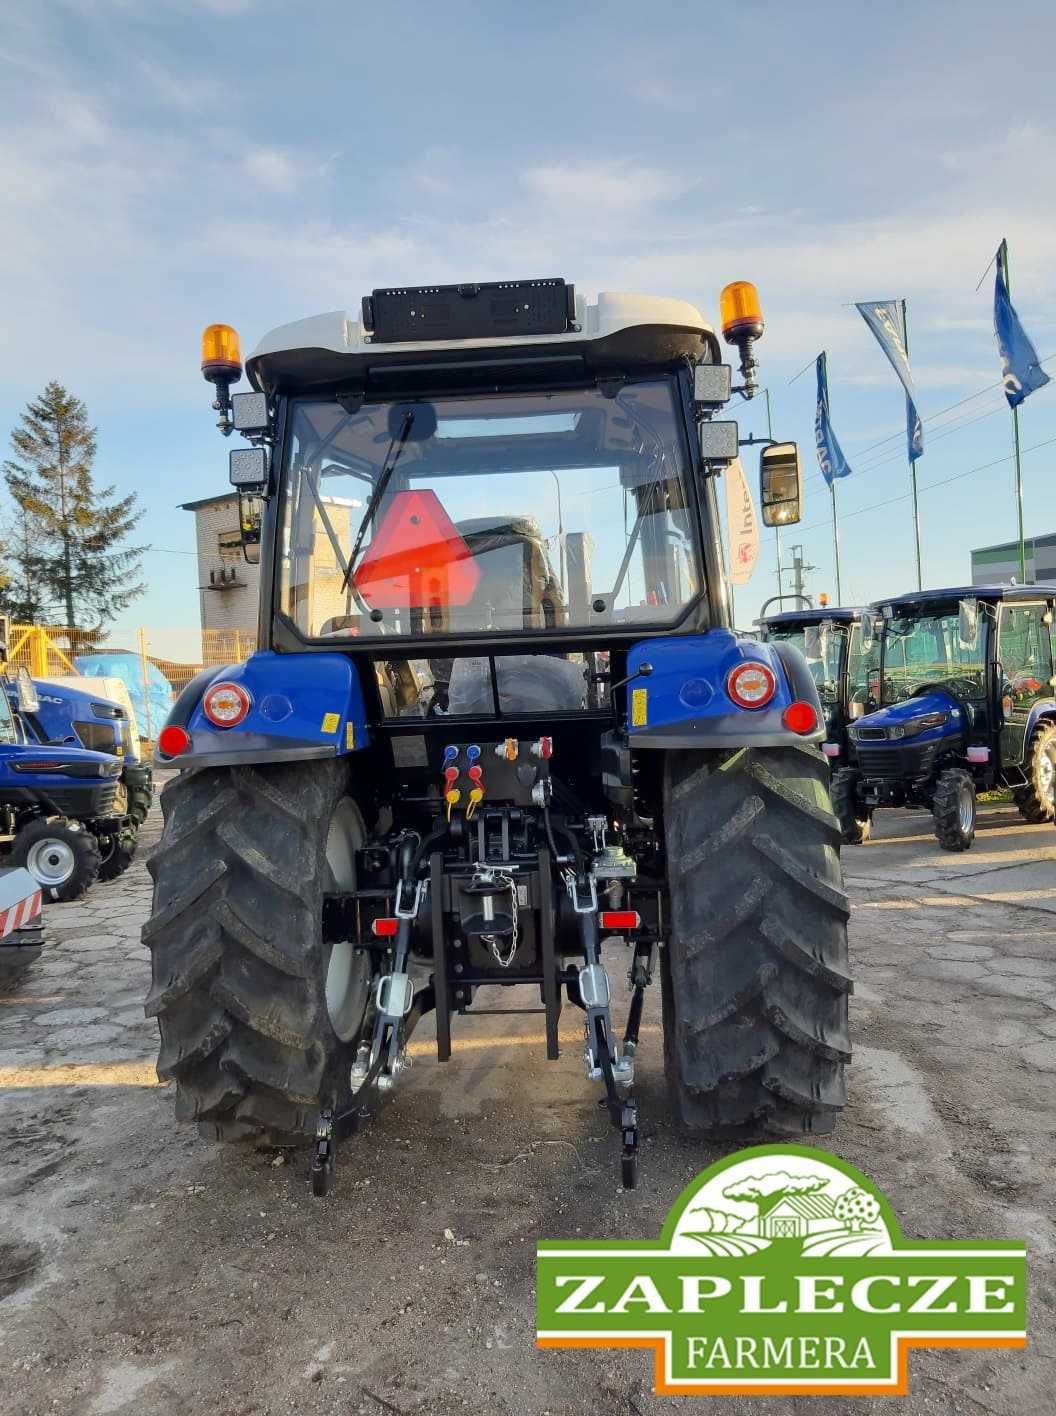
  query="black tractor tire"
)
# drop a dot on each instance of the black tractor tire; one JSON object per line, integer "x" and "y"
{"x": 856, "y": 821}
{"x": 754, "y": 975}
{"x": 140, "y": 794}
{"x": 954, "y": 809}
{"x": 72, "y": 845}
{"x": 1035, "y": 800}
{"x": 238, "y": 962}
{"x": 118, "y": 854}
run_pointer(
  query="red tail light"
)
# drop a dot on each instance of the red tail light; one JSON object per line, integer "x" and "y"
{"x": 385, "y": 928}
{"x": 173, "y": 740}
{"x": 751, "y": 685}
{"x": 800, "y": 717}
{"x": 619, "y": 919}
{"x": 226, "y": 704}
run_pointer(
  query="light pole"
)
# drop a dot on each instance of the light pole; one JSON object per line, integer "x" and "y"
{"x": 562, "y": 569}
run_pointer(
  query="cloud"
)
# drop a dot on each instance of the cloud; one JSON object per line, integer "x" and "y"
{"x": 606, "y": 187}
{"x": 273, "y": 169}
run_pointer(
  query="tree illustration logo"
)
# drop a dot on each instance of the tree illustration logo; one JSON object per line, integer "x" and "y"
{"x": 781, "y": 1270}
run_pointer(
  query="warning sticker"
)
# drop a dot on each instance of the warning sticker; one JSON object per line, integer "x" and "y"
{"x": 350, "y": 736}
{"x": 330, "y": 722}
{"x": 639, "y": 707}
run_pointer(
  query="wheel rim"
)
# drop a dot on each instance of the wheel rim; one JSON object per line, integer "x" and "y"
{"x": 966, "y": 809}
{"x": 347, "y": 971}
{"x": 51, "y": 861}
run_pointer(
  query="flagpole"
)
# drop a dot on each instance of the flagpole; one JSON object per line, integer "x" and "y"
{"x": 836, "y": 542}
{"x": 913, "y": 467}
{"x": 777, "y": 529}
{"x": 1002, "y": 254}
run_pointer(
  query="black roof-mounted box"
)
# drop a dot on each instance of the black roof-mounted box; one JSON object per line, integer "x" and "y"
{"x": 489, "y": 311}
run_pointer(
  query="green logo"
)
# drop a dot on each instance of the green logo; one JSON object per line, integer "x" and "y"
{"x": 781, "y": 1271}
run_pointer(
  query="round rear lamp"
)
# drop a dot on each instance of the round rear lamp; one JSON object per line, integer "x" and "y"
{"x": 226, "y": 704}
{"x": 800, "y": 717}
{"x": 173, "y": 740}
{"x": 751, "y": 685}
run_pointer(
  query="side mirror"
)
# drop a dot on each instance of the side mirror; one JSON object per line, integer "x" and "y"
{"x": 250, "y": 511}
{"x": 968, "y": 622}
{"x": 780, "y": 484}
{"x": 28, "y": 697}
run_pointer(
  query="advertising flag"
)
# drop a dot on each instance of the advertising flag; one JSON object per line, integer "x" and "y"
{"x": 884, "y": 319}
{"x": 1021, "y": 371}
{"x": 742, "y": 522}
{"x": 830, "y": 455}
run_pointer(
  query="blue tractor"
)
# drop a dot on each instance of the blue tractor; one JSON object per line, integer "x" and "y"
{"x": 500, "y": 731}
{"x": 830, "y": 639}
{"x": 65, "y": 715}
{"x": 961, "y": 699}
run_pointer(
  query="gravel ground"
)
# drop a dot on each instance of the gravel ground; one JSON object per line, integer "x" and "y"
{"x": 143, "y": 1270}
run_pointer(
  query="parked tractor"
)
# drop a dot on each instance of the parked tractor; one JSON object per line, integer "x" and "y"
{"x": 830, "y": 640}
{"x": 500, "y": 732}
{"x": 962, "y": 686}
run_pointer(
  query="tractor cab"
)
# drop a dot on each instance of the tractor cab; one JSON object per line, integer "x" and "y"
{"x": 839, "y": 656}
{"x": 963, "y": 700}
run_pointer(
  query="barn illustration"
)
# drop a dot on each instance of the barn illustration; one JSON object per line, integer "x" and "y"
{"x": 784, "y": 1216}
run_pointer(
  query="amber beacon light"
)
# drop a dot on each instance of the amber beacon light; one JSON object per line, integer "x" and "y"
{"x": 221, "y": 366}
{"x": 742, "y": 324}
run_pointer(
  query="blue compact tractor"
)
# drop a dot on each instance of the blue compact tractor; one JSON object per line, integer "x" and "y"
{"x": 500, "y": 732}
{"x": 830, "y": 639}
{"x": 961, "y": 698}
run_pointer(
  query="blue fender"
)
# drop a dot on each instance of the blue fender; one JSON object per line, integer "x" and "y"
{"x": 302, "y": 707}
{"x": 684, "y": 704}
{"x": 1046, "y": 708}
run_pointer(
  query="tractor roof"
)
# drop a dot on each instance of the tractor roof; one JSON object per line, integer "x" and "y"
{"x": 617, "y": 332}
{"x": 978, "y": 592}
{"x": 837, "y": 614}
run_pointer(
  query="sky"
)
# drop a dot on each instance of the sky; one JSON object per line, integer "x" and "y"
{"x": 165, "y": 164}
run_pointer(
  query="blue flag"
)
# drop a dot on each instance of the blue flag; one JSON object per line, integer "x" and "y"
{"x": 1021, "y": 371}
{"x": 830, "y": 455}
{"x": 883, "y": 318}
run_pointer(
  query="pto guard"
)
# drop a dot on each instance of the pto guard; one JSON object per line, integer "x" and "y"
{"x": 683, "y": 703}
{"x": 303, "y": 707}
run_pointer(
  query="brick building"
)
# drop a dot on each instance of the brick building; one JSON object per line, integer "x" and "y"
{"x": 228, "y": 588}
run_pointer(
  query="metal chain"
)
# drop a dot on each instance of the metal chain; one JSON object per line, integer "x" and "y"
{"x": 505, "y": 960}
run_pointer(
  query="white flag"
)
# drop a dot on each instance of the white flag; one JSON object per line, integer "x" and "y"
{"x": 743, "y": 524}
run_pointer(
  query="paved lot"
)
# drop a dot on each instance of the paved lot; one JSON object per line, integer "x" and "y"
{"x": 146, "y": 1271}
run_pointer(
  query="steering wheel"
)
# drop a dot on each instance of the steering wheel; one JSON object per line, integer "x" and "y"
{"x": 956, "y": 685}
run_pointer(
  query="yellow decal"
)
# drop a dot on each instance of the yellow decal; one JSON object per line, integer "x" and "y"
{"x": 639, "y": 707}
{"x": 350, "y": 736}
{"x": 330, "y": 722}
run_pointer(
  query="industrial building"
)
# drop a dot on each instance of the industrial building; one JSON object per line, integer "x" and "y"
{"x": 998, "y": 565}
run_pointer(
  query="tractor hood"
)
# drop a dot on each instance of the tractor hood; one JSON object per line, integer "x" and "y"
{"x": 23, "y": 766}
{"x": 917, "y": 717}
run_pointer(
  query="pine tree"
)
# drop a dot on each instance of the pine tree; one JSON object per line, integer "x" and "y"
{"x": 73, "y": 529}
{"x": 22, "y": 595}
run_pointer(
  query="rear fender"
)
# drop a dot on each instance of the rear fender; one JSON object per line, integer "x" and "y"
{"x": 303, "y": 707}
{"x": 684, "y": 704}
{"x": 1045, "y": 711}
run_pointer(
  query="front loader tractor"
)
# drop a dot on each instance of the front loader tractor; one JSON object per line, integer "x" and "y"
{"x": 500, "y": 731}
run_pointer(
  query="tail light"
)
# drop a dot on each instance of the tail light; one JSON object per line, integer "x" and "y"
{"x": 751, "y": 685}
{"x": 619, "y": 919}
{"x": 226, "y": 704}
{"x": 800, "y": 717}
{"x": 173, "y": 740}
{"x": 385, "y": 928}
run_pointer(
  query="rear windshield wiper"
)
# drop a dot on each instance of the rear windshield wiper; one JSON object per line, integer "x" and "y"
{"x": 392, "y": 456}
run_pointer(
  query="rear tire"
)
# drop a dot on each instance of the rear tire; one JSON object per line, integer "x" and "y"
{"x": 63, "y": 858}
{"x": 754, "y": 977}
{"x": 240, "y": 972}
{"x": 1035, "y": 800}
{"x": 954, "y": 809}
{"x": 856, "y": 821}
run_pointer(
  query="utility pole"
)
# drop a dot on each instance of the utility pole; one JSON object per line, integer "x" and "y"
{"x": 799, "y": 569}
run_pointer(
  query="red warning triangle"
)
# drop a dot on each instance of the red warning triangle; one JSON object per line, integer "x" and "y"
{"x": 416, "y": 558}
